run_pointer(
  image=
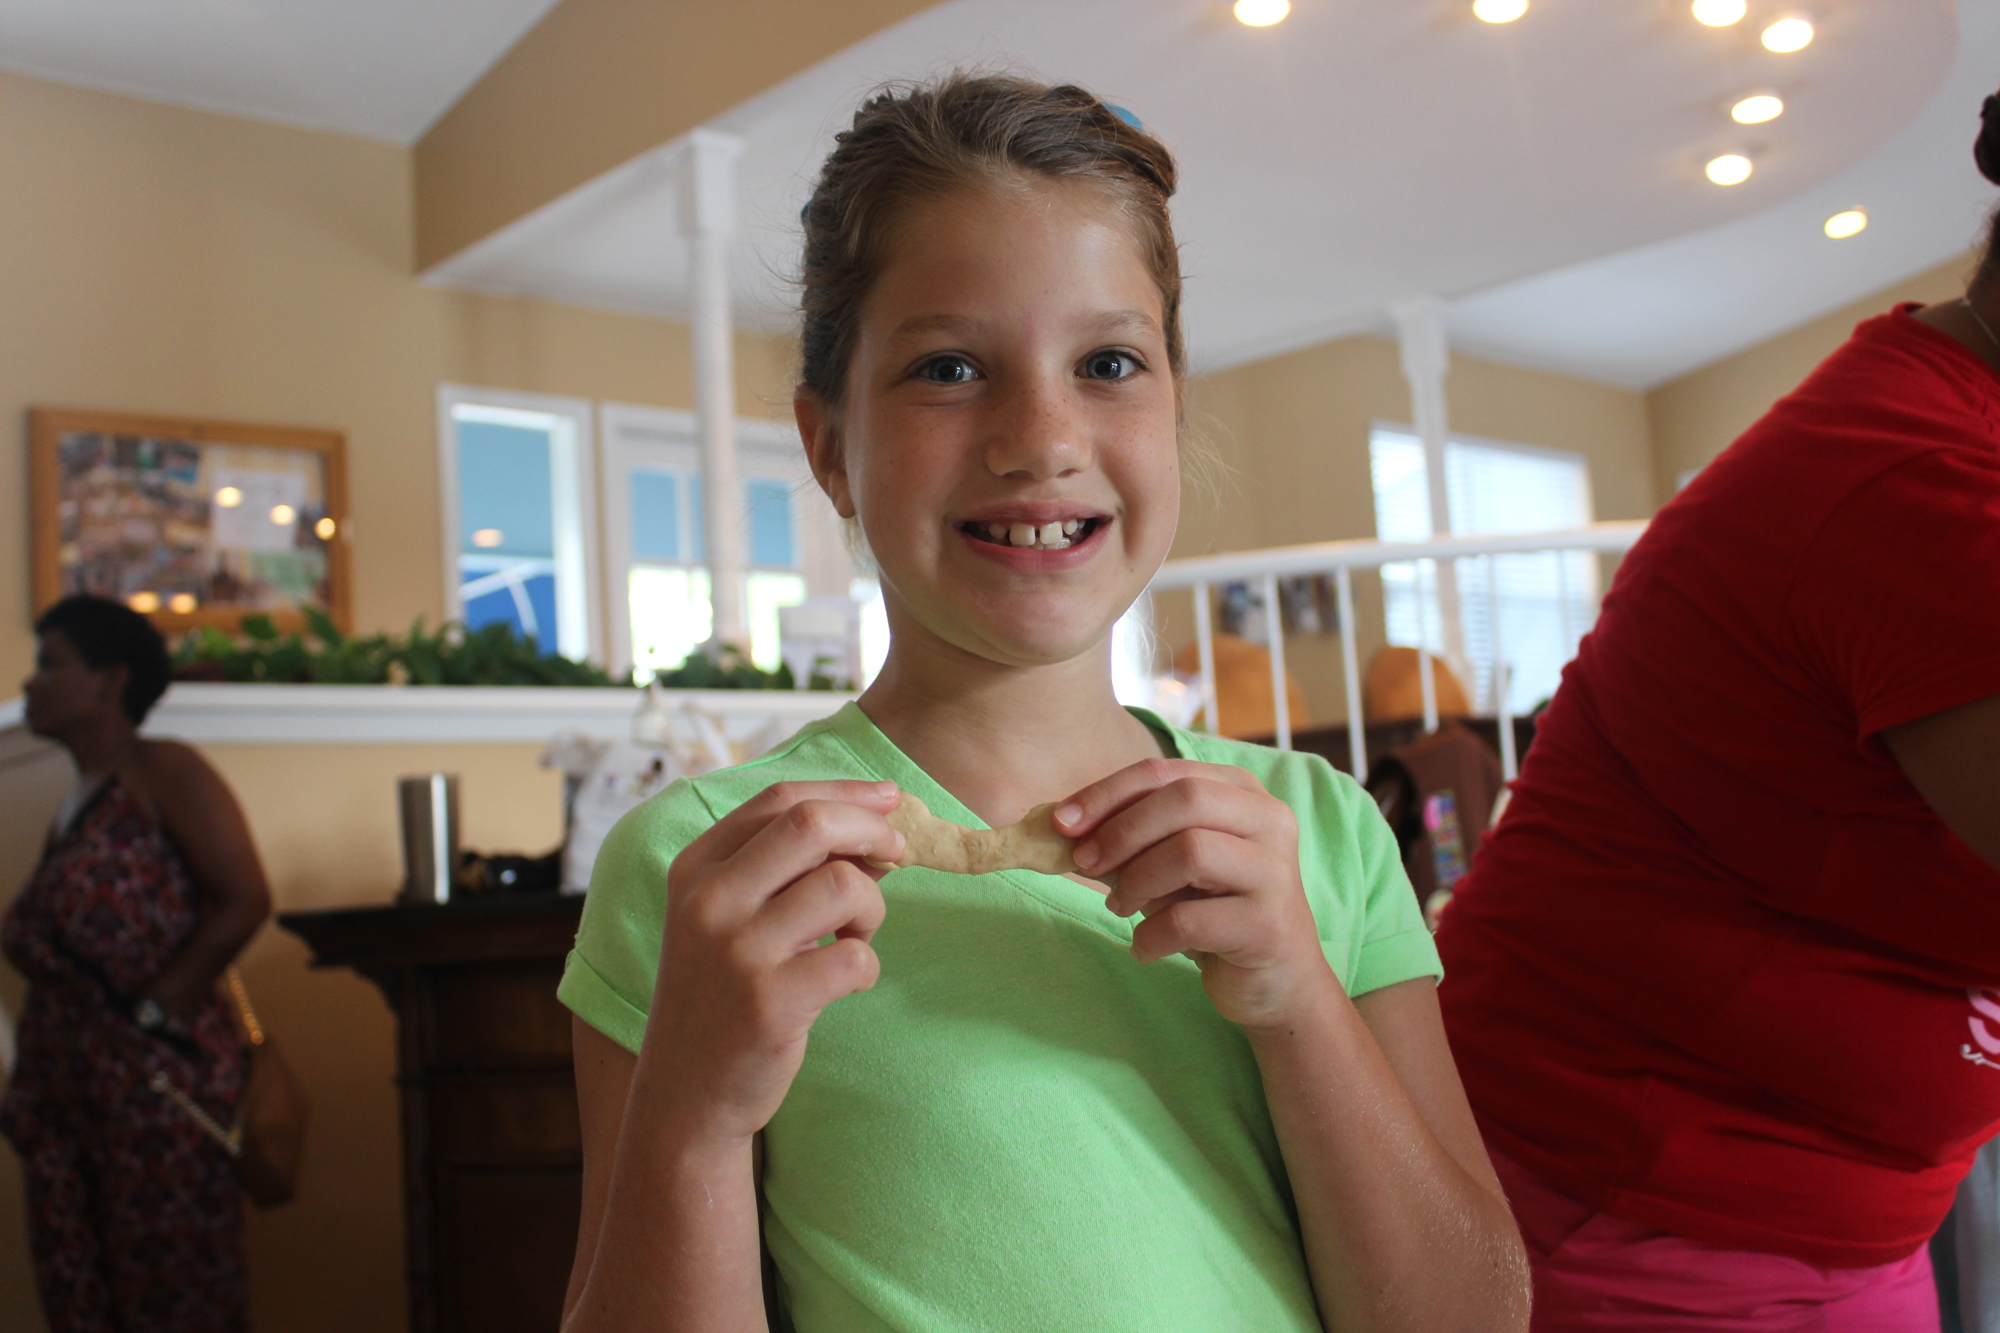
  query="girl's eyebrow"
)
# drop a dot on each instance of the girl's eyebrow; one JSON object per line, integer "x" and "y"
{"x": 1110, "y": 322}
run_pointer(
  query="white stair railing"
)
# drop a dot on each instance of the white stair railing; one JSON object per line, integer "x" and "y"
{"x": 1264, "y": 568}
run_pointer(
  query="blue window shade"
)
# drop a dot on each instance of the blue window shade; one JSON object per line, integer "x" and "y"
{"x": 504, "y": 485}
{"x": 656, "y": 516}
{"x": 697, "y": 531}
{"x": 531, "y": 615}
{"x": 770, "y": 524}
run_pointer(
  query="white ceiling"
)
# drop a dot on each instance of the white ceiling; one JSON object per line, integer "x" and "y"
{"x": 384, "y": 69}
{"x": 1361, "y": 153}
{"x": 1543, "y": 176}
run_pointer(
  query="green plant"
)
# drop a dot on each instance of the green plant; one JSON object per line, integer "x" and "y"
{"x": 728, "y": 669}
{"x": 450, "y": 655}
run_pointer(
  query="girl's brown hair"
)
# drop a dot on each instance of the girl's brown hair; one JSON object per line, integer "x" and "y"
{"x": 910, "y": 143}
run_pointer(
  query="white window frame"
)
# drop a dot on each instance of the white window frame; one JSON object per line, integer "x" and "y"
{"x": 573, "y": 495}
{"x": 764, "y": 449}
{"x": 1426, "y": 589}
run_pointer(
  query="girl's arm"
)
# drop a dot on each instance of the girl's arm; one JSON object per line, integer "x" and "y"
{"x": 694, "y": 1217}
{"x": 668, "y": 1238}
{"x": 1404, "y": 1223}
{"x": 201, "y": 818}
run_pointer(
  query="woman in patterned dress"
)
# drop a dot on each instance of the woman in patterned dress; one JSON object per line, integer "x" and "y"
{"x": 147, "y": 889}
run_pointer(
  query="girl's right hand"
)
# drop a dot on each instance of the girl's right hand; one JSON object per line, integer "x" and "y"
{"x": 743, "y": 974}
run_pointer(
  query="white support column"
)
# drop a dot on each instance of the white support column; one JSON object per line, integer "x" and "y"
{"x": 707, "y": 189}
{"x": 1281, "y": 698}
{"x": 1510, "y": 767}
{"x": 1426, "y": 359}
{"x": 1204, "y": 637}
{"x": 1350, "y": 666}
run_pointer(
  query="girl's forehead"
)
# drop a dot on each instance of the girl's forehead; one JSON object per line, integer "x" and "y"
{"x": 1053, "y": 246}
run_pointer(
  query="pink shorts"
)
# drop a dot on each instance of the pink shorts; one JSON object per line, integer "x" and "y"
{"x": 1594, "y": 1271}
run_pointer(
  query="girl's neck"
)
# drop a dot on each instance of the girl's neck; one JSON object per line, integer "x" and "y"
{"x": 1004, "y": 739}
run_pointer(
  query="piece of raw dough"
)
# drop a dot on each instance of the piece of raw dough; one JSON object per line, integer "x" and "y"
{"x": 1032, "y": 843}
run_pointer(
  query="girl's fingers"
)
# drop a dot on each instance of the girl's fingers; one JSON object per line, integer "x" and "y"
{"x": 799, "y": 838}
{"x": 1087, "y": 808}
{"x": 822, "y": 975}
{"x": 1198, "y": 859}
{"x": 1219, "y": 926}
{"x": 838, "y": 898}
{"x": 1197, "y": 801}
{"x": 729, "y": 834}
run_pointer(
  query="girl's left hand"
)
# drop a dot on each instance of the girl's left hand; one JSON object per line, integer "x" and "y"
{"x": 1211, "y": 860}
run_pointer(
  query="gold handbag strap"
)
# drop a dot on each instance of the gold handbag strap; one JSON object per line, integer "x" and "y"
{"x": 231, "y": 1139}
{"x": 250, "y": 1024}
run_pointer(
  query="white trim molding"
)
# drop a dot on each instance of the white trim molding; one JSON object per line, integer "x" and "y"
{"x": 213, "y": 714}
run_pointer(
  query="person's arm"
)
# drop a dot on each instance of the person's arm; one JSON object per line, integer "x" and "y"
{"x": 1952, "y": 758}
{"x": 668, "y": 1241}
{"x": 1405, "y": 1227}
{"x": 201, "y": 817}
{"x": 1405, "y": 1224}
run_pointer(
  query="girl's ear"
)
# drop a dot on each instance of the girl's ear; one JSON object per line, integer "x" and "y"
{"x": 820, "y": 432}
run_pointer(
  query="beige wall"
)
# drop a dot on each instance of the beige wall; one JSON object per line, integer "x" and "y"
{"x": 596, "y": 83}
{"x": 1292, "y": 433}
{"x": 161, "y": 260}
{"x": 154, "y": 259}
{"x": 1696, "y": 417}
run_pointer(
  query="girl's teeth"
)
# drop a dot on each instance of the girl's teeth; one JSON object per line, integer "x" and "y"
{"x": 1053, "y": 536}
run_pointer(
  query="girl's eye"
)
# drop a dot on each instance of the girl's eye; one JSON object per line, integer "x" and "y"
{"x": 1110, "y": 365}
{"x": 947, "y": 370}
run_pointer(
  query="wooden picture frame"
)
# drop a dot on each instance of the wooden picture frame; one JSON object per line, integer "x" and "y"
{"x": 194, "y": 523}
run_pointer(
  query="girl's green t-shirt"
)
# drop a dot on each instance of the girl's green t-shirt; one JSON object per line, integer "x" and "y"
{"x": 1020, "y": 1127}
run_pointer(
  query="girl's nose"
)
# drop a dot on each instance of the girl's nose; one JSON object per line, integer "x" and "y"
{"x": 1038, "y": 435}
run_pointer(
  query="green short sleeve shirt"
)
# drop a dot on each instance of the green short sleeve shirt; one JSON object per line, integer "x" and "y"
{"x": 1020, "y": 1127}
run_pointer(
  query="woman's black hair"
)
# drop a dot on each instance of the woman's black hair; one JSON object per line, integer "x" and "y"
{"x": 106, "y": 634}
{"x": 1986, "y": 152}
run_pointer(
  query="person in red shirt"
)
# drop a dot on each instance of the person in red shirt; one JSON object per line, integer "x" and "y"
{"x": 1724, "y": 984}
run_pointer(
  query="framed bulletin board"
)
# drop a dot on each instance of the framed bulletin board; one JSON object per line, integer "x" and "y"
{"x": 191, "y": 522}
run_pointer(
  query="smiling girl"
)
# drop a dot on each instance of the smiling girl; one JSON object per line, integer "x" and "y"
{"x": 1217, "y": 1097}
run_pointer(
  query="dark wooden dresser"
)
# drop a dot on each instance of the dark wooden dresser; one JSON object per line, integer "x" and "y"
{"x": 492, "y": 1155}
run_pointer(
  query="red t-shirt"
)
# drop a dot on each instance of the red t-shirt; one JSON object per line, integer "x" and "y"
{"x": 1720, "y": 970}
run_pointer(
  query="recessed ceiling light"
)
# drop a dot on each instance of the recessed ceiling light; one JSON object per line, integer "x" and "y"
{"x": 1499, "y": 11}
{"x": 1788, "y": 35}
{"x": 1719, "y": 13}
{"x": 181, "y": 603}
{"x": 1849, "y": 222}
{"x": 326, "y": 527}
{"x": 1729, "y": 169}
{"x": 144, "y": 602}
{"x": 1757, "y": 108}
{"x": 1262, "y": 13}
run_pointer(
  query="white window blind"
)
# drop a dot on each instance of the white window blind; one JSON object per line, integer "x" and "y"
{"x": 1545, "y": 600}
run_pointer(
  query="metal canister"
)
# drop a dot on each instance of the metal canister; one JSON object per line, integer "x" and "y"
{"x": 430, "y": 835}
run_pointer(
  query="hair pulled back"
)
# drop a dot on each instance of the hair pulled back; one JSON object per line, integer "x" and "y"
{"x": 1986, "y": 152}
{"x": 914, "y": 142}
{"x": 107, "y": 634}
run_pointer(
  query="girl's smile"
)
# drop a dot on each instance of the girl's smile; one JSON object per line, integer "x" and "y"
{"x": 1009, "y": 441}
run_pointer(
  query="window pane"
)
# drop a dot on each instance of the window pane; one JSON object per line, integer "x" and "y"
{"x": 764, "y": 593}
{"x": 1545, "y": 601}
{"x": 670, "y": 617}
{"x": 505, "y": 504}
{"x": 656, "y": 516}
{"x": 770, "y": 505}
